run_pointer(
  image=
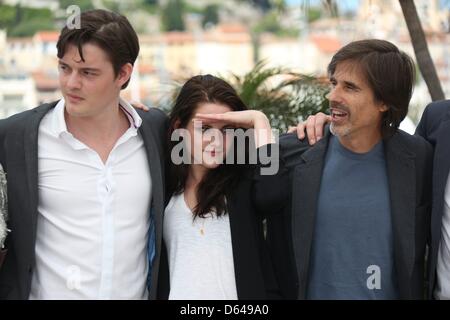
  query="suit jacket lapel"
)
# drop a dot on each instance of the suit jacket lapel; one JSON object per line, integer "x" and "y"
{"x": 31, "y": 162}
{"x": 402, "y": 189}
{"x": 157, "y": 205}
{"x": 305, "y": 192}
{"x": 441, "y": 168}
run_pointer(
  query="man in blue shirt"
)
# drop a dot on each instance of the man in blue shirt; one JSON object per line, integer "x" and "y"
{"x": 360, "y": 210}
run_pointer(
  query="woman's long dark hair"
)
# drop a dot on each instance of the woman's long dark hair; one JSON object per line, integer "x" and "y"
{"x": 219, "y": 181}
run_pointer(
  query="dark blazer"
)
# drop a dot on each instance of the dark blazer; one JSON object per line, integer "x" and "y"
{"x": 252, "y": 263}
{"x": 19, "y": 157}
{"x": 409, "y": 165}
{"x": 434, "y": 126}
{"x": 2, "y": 256}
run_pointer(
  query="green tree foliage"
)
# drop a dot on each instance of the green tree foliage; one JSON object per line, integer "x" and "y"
{"x": 263, "y": 5}
{"x": 27, "y": 14}
{"x": 151, "y": 6}
{"x": 29, "y": 28}
{"x": 23, "y": 22}
{"x": 314, "y": 14}
{"x": 285, "y": 102}
{"x": 172, "y": 16}
{"x": 7, "y": 16}
{"x": 210, "y": 15}
{"x": 83, "y": 4}
{"x": 286, "y": 97}
{"x": 270, "y": 22}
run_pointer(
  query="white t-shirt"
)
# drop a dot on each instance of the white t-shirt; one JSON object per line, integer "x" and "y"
{"x": 200, "y": 254}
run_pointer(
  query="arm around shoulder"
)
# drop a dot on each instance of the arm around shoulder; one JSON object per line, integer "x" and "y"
{"x": 272, "y": 177}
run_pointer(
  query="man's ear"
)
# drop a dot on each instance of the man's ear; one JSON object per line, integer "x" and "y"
{"x": 124, "y": 74}
{"x": 177, "y": 123}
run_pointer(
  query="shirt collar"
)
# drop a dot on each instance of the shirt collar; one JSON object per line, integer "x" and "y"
{"x": 59, "y": 125}
{"x": 58, "y": 121}
{"x": 131, "y": 113}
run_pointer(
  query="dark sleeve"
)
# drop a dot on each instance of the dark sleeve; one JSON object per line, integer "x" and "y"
{"x": 3, "y": 125}
{"x": 166, "y": 157}
{"x": 423, "y": 219}
{"x": 428, "y": 186}
{"x": 2, "y": 256}
{"x": 271, "y": 189}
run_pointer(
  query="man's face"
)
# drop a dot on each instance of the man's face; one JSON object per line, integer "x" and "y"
{"x": 354, "y": 110}
{"x": 88, "y": 87}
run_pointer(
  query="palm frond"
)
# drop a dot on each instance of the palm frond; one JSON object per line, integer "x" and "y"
{"x": 284, "y": 96}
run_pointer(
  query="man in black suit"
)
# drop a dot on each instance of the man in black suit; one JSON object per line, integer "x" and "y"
{"x": 357, "y": 219}
{"x": 434, "y": 126}
{"x": 85, "y": 177}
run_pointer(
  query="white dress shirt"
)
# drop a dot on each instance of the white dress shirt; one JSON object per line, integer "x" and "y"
{"x": 93, "y": 217}
{"x": 443, "y": 262}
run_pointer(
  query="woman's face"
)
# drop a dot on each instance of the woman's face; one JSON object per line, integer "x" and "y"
{"x": 209, "y": 143}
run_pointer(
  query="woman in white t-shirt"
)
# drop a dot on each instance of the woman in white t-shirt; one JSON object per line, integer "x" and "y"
{"x": 213, "y": 235}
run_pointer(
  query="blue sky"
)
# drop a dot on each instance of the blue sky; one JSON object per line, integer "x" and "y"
{"x": 347, "y": 4}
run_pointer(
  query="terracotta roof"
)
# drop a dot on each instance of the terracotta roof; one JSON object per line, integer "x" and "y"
{"x": 19, "y": 40}
{"x": 189, "y": 38}
{"x": 267, "y": 38}
{"x": 176, "y": 36}
{"x": 45, "y": 81}
{"x": 326, "y": 44}
{"x": 146, "y": 69}
{"x": 47, "y": 36}
{"x": 232, "y": 28}
{"x": 227, "y": 37}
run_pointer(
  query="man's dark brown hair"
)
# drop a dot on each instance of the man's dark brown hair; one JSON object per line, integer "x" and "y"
{"x": 389, "y": 72}
{"x": 110, "y": 31}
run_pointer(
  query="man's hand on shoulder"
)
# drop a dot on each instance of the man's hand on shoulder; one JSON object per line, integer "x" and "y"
{"x": 311, "y": 128}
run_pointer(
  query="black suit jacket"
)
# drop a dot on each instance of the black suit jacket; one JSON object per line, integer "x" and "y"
{"x": 252, "y": 264}
{"x": 19, "y": 157}
{"x": 435, "y": 127}
{"x": 290, "y": 235}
